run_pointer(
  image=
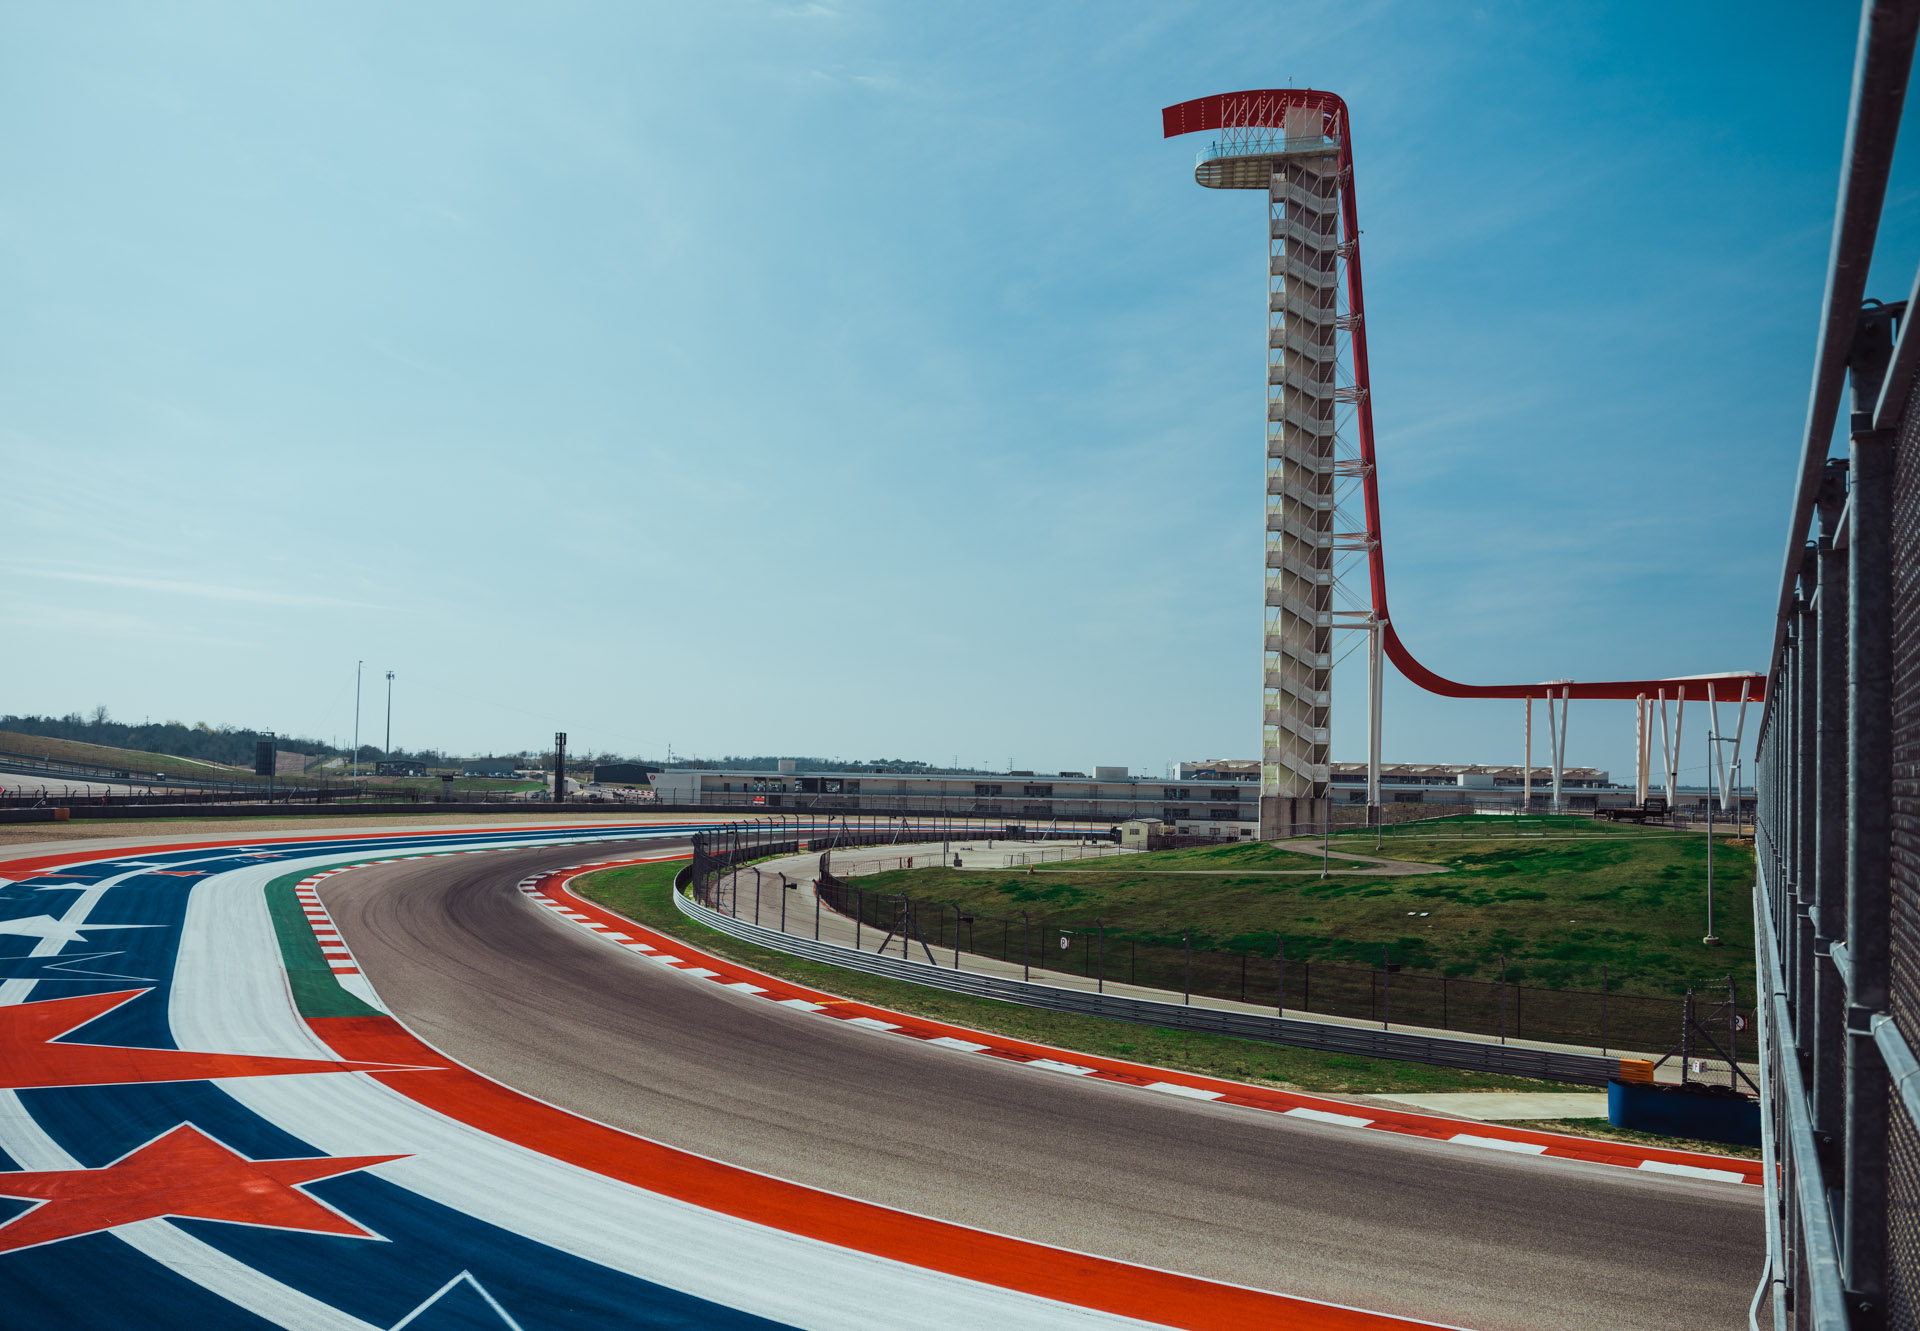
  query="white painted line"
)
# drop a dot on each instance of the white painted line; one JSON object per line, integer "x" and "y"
{"x": 1050, "y": 1065}
{"x": 744, "y": 987}
{"x": 1692, "y": 1171}
{"x": 800, "y": 1003}
{"x": 1191, "y": 1092}
{"x": 1322, "y": 1116}
{"x": 1499, "y": 1144}
{"x": 873, "y": 1023}
{"x": 965, "y": 1046}
{"x": 701, "y": 971}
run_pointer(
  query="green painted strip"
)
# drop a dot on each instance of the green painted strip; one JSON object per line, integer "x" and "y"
{"x": 317, "y": 992}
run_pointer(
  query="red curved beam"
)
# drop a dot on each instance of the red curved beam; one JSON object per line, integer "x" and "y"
{"x": 1266, "y": 108}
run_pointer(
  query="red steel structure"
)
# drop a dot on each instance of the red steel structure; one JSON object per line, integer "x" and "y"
{"x": 1266, "y": 109}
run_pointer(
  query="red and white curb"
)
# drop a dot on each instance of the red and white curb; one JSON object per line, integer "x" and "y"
{"x": 549, "y": 890}
{"x": 332, "y": 946}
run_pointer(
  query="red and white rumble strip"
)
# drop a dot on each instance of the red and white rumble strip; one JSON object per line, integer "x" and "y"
{"x": 332, "y": 945}
{"x": 550, "y": 891}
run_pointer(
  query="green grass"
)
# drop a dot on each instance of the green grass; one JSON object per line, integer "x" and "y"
{"x": 643, "y": 893}
{"x": 131, "y": 760}
{"x": 316, "y": 990}
{"x": 1559, "y": 898}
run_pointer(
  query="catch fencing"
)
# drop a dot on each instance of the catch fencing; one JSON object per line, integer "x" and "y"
{"x": 945, "y": 933}
{"x": 702, "y": 897}
{"x": 1837, "y": 905}
{"x": 1105, "y": 950}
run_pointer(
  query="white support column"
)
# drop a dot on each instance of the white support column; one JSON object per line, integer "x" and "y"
{"x": 1557, "y": 736}
{"x": 1673, "y": 758}
{"x": 1713, "y": 749}
{"x": 1376, "y": 680}
{"x": 1641, "y": 741}
{"x": 1729, "y": 795}
{"x": 1666, "y": 751}
{"x": 1526, "y": 768}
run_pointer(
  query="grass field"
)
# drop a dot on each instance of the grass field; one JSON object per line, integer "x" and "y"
{"x": 132, "y": 760}
{"x": 148, "y": 764}
{"x": 643, "y": 893}
{"x": 1559, "y": 898}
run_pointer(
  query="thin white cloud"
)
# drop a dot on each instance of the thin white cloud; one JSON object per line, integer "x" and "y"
{"x": 211, "y": 591}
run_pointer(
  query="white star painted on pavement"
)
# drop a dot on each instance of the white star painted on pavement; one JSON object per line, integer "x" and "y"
{"x": 45, "y": 926}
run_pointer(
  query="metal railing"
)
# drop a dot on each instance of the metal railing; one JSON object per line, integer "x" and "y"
{"x": 1837, "y": 839}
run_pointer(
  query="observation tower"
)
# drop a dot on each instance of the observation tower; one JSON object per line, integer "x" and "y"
{"x": 1290, "y": 146}
{"x": 1325, "y": 569}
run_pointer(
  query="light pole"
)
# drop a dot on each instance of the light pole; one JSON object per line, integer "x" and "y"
{"x": 389, "y": 745}
{"x": 358, "y": 666}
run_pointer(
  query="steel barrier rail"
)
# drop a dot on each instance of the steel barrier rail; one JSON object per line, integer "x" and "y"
{"x": 1793, "y": 1174}
{"x": 1470, "y": 1055}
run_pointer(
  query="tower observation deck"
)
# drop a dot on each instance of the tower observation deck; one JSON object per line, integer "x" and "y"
{"x": 1325, "y": 573}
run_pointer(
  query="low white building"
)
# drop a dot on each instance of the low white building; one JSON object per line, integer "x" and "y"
{"x": 1110, "y": 794}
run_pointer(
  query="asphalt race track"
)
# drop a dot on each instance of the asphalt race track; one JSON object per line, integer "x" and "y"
{"x": 1374, "y": 1221}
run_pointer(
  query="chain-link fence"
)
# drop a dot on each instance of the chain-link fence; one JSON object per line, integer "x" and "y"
{"x": 1106, "y": 952}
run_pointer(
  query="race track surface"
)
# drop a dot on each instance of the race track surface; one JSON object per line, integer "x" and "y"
{"x": 1388, "y": 1223}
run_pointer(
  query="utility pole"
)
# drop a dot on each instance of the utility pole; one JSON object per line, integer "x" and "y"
{"x": 358, "y": 666}
{"x": 559, "y": 767}
{"x": 389, "y": 746}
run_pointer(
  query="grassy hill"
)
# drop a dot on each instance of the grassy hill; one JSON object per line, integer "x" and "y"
{"x": 131, "y": 760}
{"x": 1558, "y": 898}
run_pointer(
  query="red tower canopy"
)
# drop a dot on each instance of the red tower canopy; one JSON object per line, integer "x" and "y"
{"x": 1261, "y": 108}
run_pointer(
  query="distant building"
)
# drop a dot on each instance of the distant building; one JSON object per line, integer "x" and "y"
{"x": 496, "y": 767}
{"x": 622, "y": 774}
{"x": 1225, "y": 809}
{"x": 399, "y": 767}
{"x": 1478, "y": 785}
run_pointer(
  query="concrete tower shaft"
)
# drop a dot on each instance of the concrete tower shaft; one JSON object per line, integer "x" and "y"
{"x": 1299, "y": 169}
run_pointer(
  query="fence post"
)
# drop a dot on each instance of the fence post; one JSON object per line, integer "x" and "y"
{"x": 1603, "y": 1009}
{"x": 1101, "y": 929}
{"x": 956, "y": 933}
{"x": 816, "y": 910}
{"x": 859, "y": 914}
{"x": 1503, "y": 1000}
{"x": 1186, "y": 941}
{"x": 1386, "y": 991}
{"x": 1026, "y": 946}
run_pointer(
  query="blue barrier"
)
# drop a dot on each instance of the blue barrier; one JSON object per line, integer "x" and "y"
{"x": 1704, "y": 1113}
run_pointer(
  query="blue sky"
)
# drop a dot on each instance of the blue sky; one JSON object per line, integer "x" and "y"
{"x": 870, "y": 379}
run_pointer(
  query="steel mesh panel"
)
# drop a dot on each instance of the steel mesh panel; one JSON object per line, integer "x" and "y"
{"x": 1905, "y": 923}
{"x": 1903, "y": 1221}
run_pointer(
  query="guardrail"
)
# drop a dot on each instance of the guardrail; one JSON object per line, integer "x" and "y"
{"x": 1512, "y": 1060}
